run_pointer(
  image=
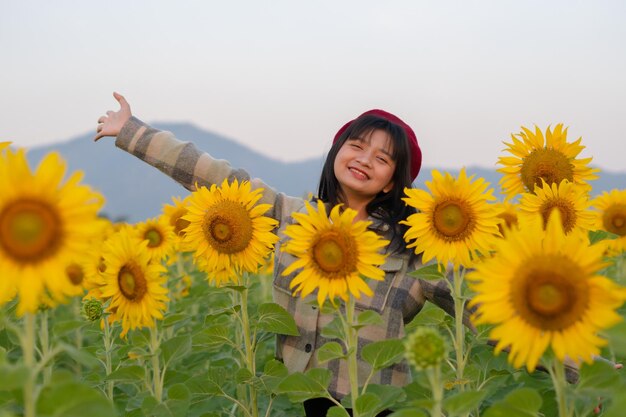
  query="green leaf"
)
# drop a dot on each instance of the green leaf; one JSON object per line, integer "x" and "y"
{"x": 463, "y": 402}
{"x": 368, "y": 318}
{"x": 389, "y": 395}
{"x": 383, "y": 353}
{"x": 368, "y": 405}
{"x": 330, "y": 351}
{"x": 300, "y": 387}
{"x": 336, "y": 411}
{"x": 409, "y": 412}
{"x": 213, "y": 337}
{"x": 60, "y": 328}
{"x": 523, "y": 402}
{"x": 273, "y": 373}
{"x": 131, "y": 373}
{"x": 598, "y": 375}
{"x": 178, "y": 400}
{"x": 428, "y": 272}
{"x": 175, "y": 348}
{"x": 73, "y": 399}
{"x": 274, "y": 318}
{"x": 243, "y": 376}
{"x": 596, "y": 236}
{"x": 173, "y": 319}
{"x": 617, "y": 407}
{"x": 79, "y": 356}
{"x": 334, "y": 330}
{"x": 13, "y": 376}
{"x": 617, "y": 338}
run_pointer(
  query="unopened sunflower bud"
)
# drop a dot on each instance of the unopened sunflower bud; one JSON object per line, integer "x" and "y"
{"x": 425, "y": 348}
{"x": 92, "y": 309}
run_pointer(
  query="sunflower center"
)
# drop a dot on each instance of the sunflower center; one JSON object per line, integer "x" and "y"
{"x": 132, "y": 282}
{"x": 550, "y": 292}
{"x": 227, "y": 227}
{"x": 75, "y": 273}
{"x": 453, "y": 220}
{"x": 30, "y": 230}
{"x": 102, "y": 266}
{"x": 548, "y": 164}
{"x": 614, "y": 219}
{"x": 153, "y": 237}
{"x": 335, "y": 253}
{"x": 568, "y": 213}
{"x": 180, "y": 225}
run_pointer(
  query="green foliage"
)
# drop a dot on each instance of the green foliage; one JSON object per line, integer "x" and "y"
{"x": 201, "y": 355}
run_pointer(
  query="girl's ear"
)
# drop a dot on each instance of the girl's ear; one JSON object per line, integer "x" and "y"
{"x": 388, "y": 187}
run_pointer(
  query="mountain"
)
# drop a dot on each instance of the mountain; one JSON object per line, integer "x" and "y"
{"x": 135, "y": 191}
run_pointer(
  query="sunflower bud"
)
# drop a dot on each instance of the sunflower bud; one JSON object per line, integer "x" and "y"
{"x": 92, "y": 309}
{"x": 425, "y": 348}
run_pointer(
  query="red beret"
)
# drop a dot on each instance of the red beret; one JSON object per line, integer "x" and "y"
{"x": 416, "y": 153}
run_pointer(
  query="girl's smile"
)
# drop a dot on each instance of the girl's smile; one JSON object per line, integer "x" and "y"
{"x": 364, "y": 167}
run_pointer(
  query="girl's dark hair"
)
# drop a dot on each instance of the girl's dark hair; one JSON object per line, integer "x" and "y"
{"x": 388, "y": 207}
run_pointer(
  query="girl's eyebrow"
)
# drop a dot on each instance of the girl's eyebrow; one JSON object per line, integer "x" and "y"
{"x": 360, "y": 139}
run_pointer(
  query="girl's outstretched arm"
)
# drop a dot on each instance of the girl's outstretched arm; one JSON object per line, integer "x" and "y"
{"x": 111, "y": 124}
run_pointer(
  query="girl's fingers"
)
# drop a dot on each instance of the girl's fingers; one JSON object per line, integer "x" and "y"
{"x": 102, "y": 119}
{"x": 120, "y": 98}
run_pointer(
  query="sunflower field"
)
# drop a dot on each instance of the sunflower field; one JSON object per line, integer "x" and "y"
{"x": 174, "y": 316}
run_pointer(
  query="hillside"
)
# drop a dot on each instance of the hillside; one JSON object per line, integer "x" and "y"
{"x": 136, "y": 191}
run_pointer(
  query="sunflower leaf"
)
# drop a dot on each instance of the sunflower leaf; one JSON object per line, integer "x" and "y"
{"x": 334, "y": 330}
{"x": 300, "y": 387}
{"x": 523, "y": 402}
{"x": 368, "y": 318}
{"x": 463, "y": 402}
{"x": 274, "y": 318}
{"x": 596, "y": 236}
{"x": 131, "y": 373}
{"x": 330, "y": 351}
{"x": 383, "y": 353}
{"x": 428, "y": 272}
{"x": 176, "y": 348}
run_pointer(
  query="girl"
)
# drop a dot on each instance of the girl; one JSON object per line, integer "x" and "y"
{"x": 372, "y": 159}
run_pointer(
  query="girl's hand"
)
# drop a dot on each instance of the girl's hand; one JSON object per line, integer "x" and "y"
{"x": 111, "y": 124}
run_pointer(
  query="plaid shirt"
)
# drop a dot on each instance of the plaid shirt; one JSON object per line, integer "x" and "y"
{"x": 398, "y": 298}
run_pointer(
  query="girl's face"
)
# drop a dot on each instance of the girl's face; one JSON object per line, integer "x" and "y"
{"x": 364, "y": 166}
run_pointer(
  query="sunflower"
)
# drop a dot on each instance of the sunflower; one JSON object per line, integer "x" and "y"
{"x": 135, "y": 287}
{"x": 45, "y": 223}
{"x": 571, "y": 200}
{"x": 333, "y": 253}
{"x": 536, "y": 158}
{"x": 4, "y": 145}
{"x": 160, "y": 236}
{"x": 540, "y": 290}
{"x": 227, "y": 229}
{"x": 454, "y": 222}
{"x": 507, "y": 212}
{"x": 174, "y": 214}
{"x": 610, "y": 215}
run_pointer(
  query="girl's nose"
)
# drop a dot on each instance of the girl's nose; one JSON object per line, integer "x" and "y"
{"x": 364, "y": 159}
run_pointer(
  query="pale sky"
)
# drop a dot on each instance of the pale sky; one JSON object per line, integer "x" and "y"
{"x": 282, "y": 76}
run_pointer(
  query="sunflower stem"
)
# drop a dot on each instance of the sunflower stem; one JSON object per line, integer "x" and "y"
{"x": 250, "y": 362}
{"x": 44, "y": 340}
{"x": 557, "y": 373}
{"x": 434, "y": 378}
{"x": 28, "y": 351}
{"x": 351, "y": 344}
{"x": 156, "y": 364}
{"x": 108, "y": 363}
{"x": 76, "y": 307}
{"x": 459, "y": 343}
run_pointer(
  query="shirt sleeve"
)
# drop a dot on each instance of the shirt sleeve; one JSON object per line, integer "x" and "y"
{"x": 191, "y": 167}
